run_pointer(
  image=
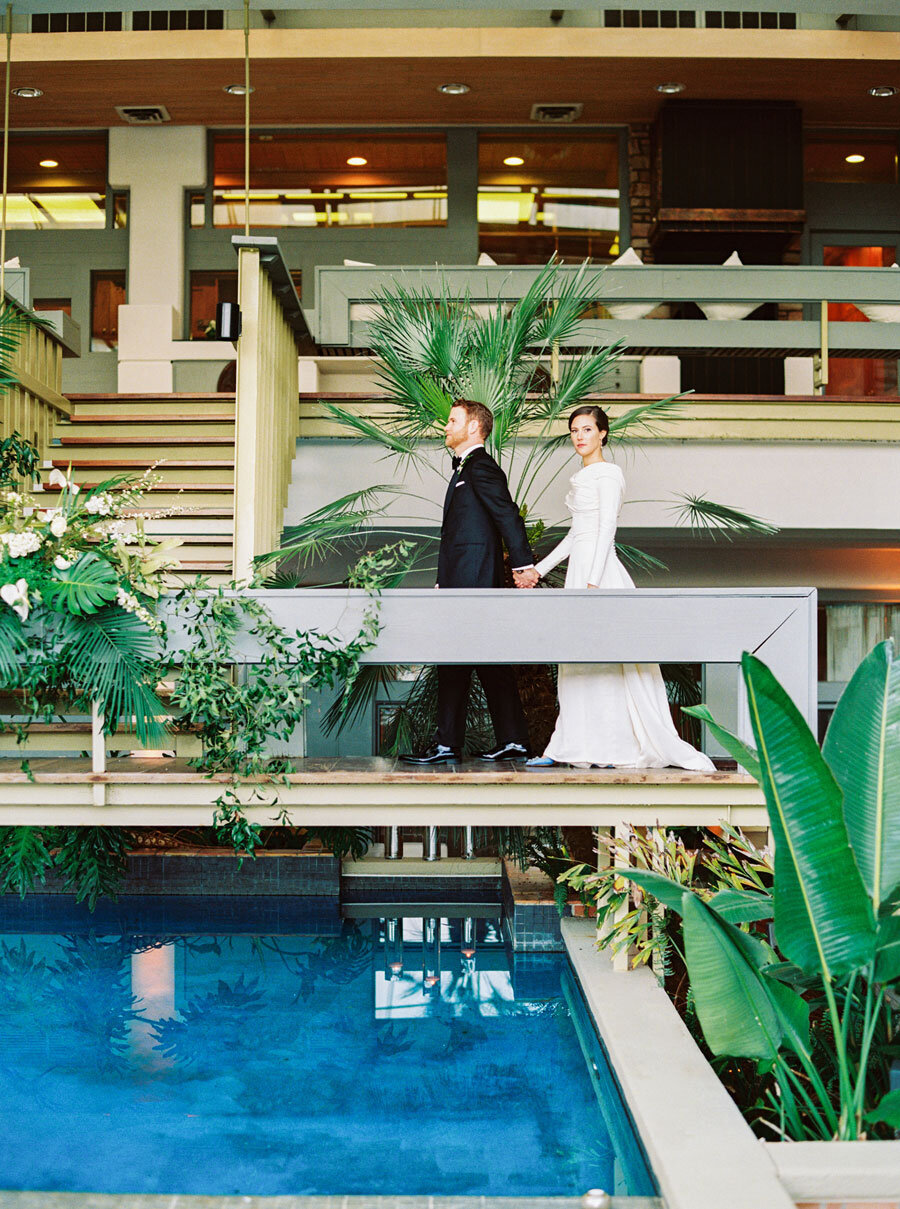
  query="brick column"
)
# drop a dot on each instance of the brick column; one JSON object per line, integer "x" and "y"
{"x": 639, "y": 189}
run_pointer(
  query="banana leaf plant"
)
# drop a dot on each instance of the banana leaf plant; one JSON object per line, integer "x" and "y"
{"x": 431, "y": 348}
{"x": 834, "y": 950}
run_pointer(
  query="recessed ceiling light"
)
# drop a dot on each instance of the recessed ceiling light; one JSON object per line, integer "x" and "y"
{"x": 854, "y": 159}
{"x": 514, "y": 161}
{"x": 238, "y": 90}
{"x": 49, "y": 163}
{"x": 453, "y": 90}
{"x": 883, "y": 90}
{"x": 357, "y": 161}
{"x": 670, "y": 89}
{"x": 28, "y": 92}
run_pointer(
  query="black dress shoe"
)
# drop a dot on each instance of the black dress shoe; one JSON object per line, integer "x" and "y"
{"x": 509, "y": 751}
{"x": 437, "y": 753}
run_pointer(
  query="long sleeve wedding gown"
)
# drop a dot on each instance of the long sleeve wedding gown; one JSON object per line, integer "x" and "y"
{"x": 612, "y": 713}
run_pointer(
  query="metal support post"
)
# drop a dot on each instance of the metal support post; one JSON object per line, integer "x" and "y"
{"x": 392, "y": 843}
{"x": 432, "y": 847}
{"x": 469, "y": 843}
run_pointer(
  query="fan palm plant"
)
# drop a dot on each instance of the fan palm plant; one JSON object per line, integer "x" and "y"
{"x": 432, "y": 348}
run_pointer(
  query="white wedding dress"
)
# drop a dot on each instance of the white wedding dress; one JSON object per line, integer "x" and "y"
{"x": 610, "y": 713}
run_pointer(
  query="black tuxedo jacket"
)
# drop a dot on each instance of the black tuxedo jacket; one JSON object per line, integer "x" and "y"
{"x": 479, "y": 516}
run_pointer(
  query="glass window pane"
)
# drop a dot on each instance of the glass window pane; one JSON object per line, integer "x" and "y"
{"x": 344, "y": 180}
{"x": 863, "y": 160}
{"x": 539, "y": 194}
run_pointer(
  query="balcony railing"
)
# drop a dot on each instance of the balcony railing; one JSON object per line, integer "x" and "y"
{"x": 344, "y": 296}
{"x": 34, "y": 405}
{"x": 707, "y": 626}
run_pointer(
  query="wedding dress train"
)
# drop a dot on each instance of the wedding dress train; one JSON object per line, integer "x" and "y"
{"x": 612, "y": 713}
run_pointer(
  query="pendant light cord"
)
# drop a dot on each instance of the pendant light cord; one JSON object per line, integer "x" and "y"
{"x": 246, "y": 117}
{"x": 5, "y": 158}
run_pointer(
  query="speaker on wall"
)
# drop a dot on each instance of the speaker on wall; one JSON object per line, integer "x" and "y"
{"x": 228, "y": 321}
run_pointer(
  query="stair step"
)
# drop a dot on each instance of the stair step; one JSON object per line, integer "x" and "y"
{"x": 166, "y": 489}
{"x": 100, "y": 450}
{"x": 195, "y": 406}
{"x": 102, "y": 439}
{"x": 127, "y": 417}
{"x": 190, "y": 512}
{"x": 142, "y": 463}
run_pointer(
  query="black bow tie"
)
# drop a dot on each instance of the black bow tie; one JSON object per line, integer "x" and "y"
{"x": 456, "y": 462}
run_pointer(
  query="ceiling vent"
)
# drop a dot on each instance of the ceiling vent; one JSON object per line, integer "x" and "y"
{"x": 560, "y": 112}
{"x": 143, "y": 115}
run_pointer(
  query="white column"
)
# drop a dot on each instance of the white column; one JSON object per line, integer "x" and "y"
{"x": 156, "y": 166}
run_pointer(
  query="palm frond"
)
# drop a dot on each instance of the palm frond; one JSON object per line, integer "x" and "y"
{"x": 640, "y": 422}
{"x": 367, "y": 430}
{"x": 571, "y": 293}
{"x": 710, "y": 519}
{"x": 639, "y": 559}
{"x": 108, "y": 655}
{"x": 13, "y": 647}
{"x": 322, "y": 532}
{"x": 583, "y": 376}
{"x": 371, "y": 681}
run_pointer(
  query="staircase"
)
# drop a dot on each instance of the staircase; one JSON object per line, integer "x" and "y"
{"x": 190, "y": 436}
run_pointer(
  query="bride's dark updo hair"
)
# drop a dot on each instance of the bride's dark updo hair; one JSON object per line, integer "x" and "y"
{"x": 597, "y": 414}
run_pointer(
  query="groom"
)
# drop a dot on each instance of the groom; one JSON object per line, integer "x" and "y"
{"x": 479, "y": 515}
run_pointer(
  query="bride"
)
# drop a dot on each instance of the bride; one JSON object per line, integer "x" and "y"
{"x": 613, "y": 714}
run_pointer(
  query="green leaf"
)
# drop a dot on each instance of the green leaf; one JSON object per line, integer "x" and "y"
{"x": 664, "y": 889}
{"x": 886, "y": 1111}
{"x": 862, "y": 748}
{"x": 734, "y": 1008}
{"x": 742, "y": 752}
{"x": 24, "y": 859}
{"x": 741, "y": 906}
{"x": 823, "y": 918}
{"x": 89, "y": 584}
{"x": 887, "y": 946}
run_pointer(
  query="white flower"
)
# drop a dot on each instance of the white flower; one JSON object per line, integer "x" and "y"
{"x": 100, "y": 504}
{"x": 62, "y": 564}
{"x": 20, "y": 544}
{"x": 16, "y": 596}
{"x": 58, "y": 525}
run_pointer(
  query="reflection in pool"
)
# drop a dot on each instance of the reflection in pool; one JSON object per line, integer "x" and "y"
{"x": 395, "y": 1055}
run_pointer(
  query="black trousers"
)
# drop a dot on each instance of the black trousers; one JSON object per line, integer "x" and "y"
{"x": 502, "y": 693}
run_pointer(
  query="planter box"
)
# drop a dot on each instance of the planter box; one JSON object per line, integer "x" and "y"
{"x": 703, "y": 1153}
{"x": 820, "y": 1173}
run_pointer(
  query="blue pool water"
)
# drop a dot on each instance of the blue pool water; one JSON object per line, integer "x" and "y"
{"x": 269, "y": 1047}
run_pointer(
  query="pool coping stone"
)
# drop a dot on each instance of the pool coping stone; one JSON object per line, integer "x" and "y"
{"x": 701, "y": 1150}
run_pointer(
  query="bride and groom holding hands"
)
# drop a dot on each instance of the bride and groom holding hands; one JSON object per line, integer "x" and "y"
{"x": 609, "y": 714}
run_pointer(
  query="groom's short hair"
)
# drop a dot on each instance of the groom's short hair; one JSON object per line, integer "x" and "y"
{"x": 477, "y": 411}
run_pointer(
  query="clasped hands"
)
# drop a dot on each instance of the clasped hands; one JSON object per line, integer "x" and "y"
{"x": 528, "y": 577}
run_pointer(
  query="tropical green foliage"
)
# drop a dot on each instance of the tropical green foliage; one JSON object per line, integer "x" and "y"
{"x": 833, "y": 962}
{"x": 79, "y": 583}
{"x": 91, "y": 861}
{"x": 241, "y": 712}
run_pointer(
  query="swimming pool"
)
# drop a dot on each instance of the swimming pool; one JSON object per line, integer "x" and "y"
{"x": 267, "y": 1047}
